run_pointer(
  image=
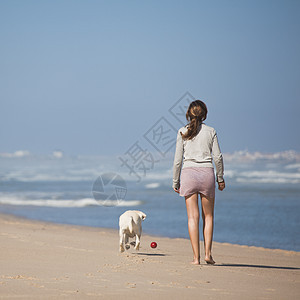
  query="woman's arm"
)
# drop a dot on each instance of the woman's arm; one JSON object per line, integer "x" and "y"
{"x": 177, "y": 161}
{"x": 218, "y": 158}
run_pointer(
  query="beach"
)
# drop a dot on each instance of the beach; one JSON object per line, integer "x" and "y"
{"x": 41, "y": 260}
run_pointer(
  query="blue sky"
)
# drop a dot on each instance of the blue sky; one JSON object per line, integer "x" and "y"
{"x": 91, "y": 77}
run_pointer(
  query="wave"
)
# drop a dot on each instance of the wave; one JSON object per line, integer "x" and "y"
{"x": 44, "y": 177}
{"x": 19, "y": 153}
{"x": 293, "y": 166}
{"x": 22, "y": 166}
{"x": 269, "y": 176}
{"x": 268, "y": 180}
{"x": 10, "y": 200}
{"x": 242, "y": 155}
{"x": 246, "y": 156}
{"x": 153, "y": 185}
{"x": 74, "y": 175}
{"x": 57, "y": 154}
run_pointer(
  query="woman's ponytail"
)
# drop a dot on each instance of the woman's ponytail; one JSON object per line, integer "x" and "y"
{"x": 195, "y": 114}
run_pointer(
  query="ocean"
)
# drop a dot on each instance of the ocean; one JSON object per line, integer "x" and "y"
{"x": 260, "y": 205}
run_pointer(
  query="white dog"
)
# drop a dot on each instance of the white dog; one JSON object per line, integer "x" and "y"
{"x": 130, "y": 223}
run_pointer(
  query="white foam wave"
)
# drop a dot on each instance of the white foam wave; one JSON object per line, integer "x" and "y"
{"x": 31, "y": 177}
{"x": 246, "y": 156}
{"x": 60, "y": 167}
{"x": 19, "y": 153}
{"x": 230, "y": 173}
{"x": 293, "y": 166}
{"x": 11, "y": 200}
{"x": 57, "y": 154}
{"x": 159, "y": 175}
{"x": 268, "y": 180}
{"x": 153, "y": 185}
{"x": 270, "y": 176}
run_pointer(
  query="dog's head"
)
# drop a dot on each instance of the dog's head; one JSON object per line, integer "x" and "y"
{"x": 142, "y": 215}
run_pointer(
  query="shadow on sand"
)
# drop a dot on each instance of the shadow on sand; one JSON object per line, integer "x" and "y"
{"x": 256, "y": 266}
{"x": 151, "y": 254}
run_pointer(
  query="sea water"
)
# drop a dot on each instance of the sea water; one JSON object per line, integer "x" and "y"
{"x": 259, "y": 207}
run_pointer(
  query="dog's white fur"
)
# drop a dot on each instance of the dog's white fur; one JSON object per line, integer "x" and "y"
{"x": 130, "y": 223}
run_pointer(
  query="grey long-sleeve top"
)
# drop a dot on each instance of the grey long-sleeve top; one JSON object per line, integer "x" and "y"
{"x": 197, "y": 152}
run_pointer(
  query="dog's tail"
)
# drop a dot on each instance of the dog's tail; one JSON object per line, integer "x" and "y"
{"x": 130, "y": 225}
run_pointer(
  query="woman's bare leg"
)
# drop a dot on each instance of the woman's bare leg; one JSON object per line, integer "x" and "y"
{"x": 208, "y": 226}
{"x": 193, "y": 225}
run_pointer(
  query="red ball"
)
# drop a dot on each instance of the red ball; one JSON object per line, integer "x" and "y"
{"x": 153, "y": 245}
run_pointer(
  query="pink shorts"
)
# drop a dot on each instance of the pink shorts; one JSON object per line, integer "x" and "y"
{"x": 197, "y": 180}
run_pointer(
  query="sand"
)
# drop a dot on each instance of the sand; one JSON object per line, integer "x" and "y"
{"x": 41, "y": 260}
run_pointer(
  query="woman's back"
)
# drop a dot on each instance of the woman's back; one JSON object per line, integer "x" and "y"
{"x": 199, "y": 151}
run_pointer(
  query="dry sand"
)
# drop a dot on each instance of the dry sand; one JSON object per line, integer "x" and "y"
{"x": 48, "y": 261}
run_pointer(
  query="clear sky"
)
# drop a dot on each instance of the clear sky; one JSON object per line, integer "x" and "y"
{"x": 91, "y": 77}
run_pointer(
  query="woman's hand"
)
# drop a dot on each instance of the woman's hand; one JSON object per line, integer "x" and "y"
{"x": 221, "y": 185}
{"x": 176, "y": 190}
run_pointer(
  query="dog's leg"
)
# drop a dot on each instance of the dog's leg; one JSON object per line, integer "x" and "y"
{"x": 137, "y": 242}
{"x": 127, "y": 246}
{"x": 121, "y": 241}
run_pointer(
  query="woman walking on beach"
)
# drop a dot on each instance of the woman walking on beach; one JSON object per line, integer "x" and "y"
{"x": 193, "y": 173}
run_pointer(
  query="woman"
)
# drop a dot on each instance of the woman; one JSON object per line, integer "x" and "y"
{"x": 197, "y": 145}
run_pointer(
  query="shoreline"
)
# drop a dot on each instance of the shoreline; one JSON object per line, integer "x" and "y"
{"x": 148, "y": 234}
{"x": 48, "y": 260}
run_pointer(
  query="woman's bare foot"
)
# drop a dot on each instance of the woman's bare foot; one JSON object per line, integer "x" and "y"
{"x": 209, "y": 260}
{"x": 196, "y": 261}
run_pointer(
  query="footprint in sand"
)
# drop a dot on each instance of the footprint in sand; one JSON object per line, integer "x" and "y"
{"x": 131, "y": 285}
{"x": 201, "y": 281}
{"x": 71, "y": 291}
{"x": 154, "y": 282}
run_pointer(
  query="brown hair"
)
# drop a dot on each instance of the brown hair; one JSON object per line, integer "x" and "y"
{"x": 195, "y": 114}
